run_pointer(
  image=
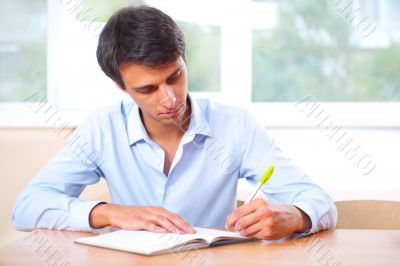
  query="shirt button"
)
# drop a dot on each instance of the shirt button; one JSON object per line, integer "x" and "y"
{"x": 158, "y": 162}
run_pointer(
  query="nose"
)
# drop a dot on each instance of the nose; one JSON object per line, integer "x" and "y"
{"x": 168, "y": 98}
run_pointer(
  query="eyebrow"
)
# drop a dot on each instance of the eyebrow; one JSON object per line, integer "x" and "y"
{"x": 149, "y": 85}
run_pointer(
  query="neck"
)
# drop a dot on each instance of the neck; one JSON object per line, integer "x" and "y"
{"x": 160, "y": 132}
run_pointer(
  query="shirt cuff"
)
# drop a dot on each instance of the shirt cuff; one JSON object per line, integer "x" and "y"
{"x": 314, "y": 221}
{"x": 80, "y": 211}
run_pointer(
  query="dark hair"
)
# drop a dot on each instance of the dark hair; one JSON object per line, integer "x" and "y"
{"x": 140, "y": 35}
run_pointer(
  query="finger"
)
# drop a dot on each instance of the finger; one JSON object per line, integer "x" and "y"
{"x": 264, "y": 229}
{"x": 252, "y": 230}
{"x": 247, "y": 220}
{"x": 157, "y": 216}
{"x": 182, "y": 224}
{"x": 178, "y": 221}
{"x": 238, "y": 213}
{"x": 164, "y": 221}
{"x": 155, "y": 228}
{"x": 264, "y": 234}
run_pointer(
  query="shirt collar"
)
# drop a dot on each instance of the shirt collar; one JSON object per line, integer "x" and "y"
{"x": 136, "y": 130}
{"x": 135, "y": 127}
{"x": 198, "y": 123}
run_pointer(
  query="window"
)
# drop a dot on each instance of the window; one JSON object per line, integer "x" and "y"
{"x": 202, "y": 56}
{"x": 314, "y": 50}
{"x": 23, "y": 33}
{"x": 264, "y": 55}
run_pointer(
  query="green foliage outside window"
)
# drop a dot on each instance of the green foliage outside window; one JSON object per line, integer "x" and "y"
{"x": 311, "y": 52}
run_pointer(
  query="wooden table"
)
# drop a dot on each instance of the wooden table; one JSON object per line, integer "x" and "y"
{"x": 333, "y": 247}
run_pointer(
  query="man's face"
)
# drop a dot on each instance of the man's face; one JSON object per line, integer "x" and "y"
{"x": 160, "y": 92}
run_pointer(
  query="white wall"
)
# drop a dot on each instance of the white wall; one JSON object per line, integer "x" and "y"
{"x": 329, "y": 167}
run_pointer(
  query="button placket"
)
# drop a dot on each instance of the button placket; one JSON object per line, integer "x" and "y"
{"x": 159, "y": 158}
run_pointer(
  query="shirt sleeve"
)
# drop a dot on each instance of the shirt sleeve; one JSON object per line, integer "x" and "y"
{"x": 289, "y": 184}
{"x": 51, "y": 200}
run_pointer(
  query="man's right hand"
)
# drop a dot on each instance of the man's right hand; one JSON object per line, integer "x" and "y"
{"x": 150, "y": 218}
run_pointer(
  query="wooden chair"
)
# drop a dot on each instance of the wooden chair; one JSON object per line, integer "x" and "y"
{"x": 368, "y": 214}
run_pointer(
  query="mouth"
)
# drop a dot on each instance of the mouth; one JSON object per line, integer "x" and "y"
{"x": 170, "y": 114}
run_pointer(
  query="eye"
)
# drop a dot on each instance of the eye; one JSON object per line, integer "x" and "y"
{"x": 174, "y": 77}
{"x": 147, "y": 89}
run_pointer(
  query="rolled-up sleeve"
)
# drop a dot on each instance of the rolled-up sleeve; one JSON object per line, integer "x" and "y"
{"x": 51, "y": 200}
{"x": 289, "y": 184}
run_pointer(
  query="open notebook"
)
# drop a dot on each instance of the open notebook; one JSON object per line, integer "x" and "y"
{"x": 149, "y": 243}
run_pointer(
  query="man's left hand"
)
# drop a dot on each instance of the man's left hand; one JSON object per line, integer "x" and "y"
{"x": 264, "y": 220}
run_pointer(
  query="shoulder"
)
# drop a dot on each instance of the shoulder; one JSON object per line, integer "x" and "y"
{"x": 110, "y": 115}
{"x": 217, "y": 112}
{"x": 100, "y": 127}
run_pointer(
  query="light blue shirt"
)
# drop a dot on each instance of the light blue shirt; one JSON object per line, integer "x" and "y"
{"x": 221, "y": 145}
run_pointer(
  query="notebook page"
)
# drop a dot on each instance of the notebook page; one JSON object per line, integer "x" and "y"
{"x": 137, "y": 241}
{"x": 211, "y": 234}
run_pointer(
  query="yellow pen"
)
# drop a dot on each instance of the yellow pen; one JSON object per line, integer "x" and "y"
{"x": 261, "y": 182}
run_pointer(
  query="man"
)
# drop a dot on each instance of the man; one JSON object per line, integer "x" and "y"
{"x": 170, "y": 162}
